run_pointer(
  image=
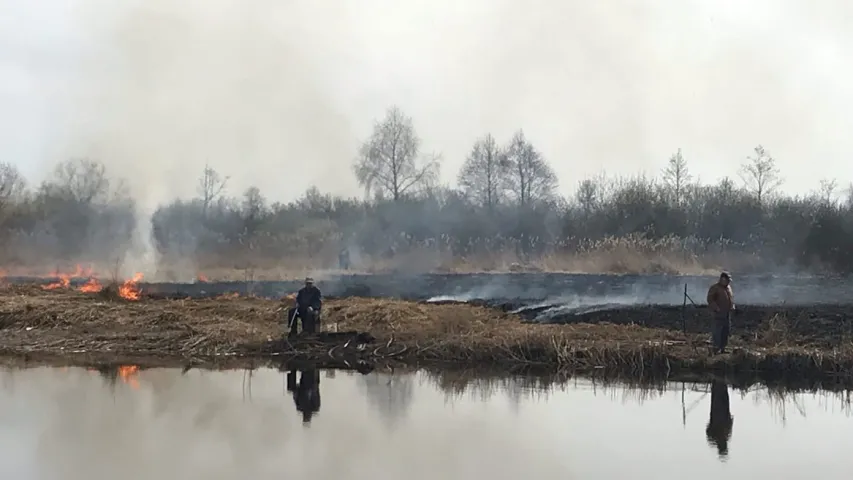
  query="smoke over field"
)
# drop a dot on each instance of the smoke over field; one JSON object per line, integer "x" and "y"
{"x": 232, "y": 140}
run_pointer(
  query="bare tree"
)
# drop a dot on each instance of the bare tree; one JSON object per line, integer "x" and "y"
{"x": 210, "y": 187}
{"x": 827, "y": 191}
{"x": 389, "y": 162}
{"x": 315, "y": 201}
{"x": 587, "y": 196}
{"x": 532, "y": 179}
{"x": 254, "y": 204}
{"x": 676, "y": 176}
{"x": 483, "y": 177}
{"x": 760, "y": 175}
{"x": 81, "y": 179}
{"x": 12, "y": 185}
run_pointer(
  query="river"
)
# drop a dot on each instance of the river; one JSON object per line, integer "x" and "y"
{"x": 164, "y": 424}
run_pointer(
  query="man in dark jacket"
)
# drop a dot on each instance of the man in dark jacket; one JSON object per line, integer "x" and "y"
{"x": 309, "y": 302}
{"x": 722, "y": 303}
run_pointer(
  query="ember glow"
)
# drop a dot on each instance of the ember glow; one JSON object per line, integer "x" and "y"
{"x": 127, "y": 373}
{"x": 64, "y": 282}
{"x": 202, "y": 278}
{"x": 130, "y": 290}
{"x": 92, "y": 286}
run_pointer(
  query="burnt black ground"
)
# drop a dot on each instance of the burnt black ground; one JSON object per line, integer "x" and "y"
{"x": 528, "y": 287}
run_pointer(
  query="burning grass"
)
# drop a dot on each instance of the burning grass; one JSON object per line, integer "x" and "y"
{"x": 63, "y": 322}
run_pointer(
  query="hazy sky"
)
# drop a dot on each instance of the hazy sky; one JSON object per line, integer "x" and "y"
{"x": 279, "y": 93}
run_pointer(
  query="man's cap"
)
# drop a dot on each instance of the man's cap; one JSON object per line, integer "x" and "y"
{"x": 726, "y": 275}
{"x": 309, "y": 280}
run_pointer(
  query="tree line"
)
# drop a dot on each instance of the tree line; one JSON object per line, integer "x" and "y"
{"x": 505, "y": 205}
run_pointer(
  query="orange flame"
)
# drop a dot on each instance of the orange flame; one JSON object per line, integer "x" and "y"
{"x": 202, "y": 278}
{"x": 130, "y": 290}
{"x": 64, "y": 282}
{"x": 128, "y": 375}
{"x": 92, "y": 286}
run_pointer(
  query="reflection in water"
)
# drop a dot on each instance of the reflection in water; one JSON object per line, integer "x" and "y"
{"x": 203, "y": 425}
{"x": 720, "y": 421}
{"x": 306, "y": 393}
{"x": 390, "y": 394}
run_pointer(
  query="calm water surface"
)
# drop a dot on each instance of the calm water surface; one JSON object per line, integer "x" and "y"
{"x": 160, "y": 424}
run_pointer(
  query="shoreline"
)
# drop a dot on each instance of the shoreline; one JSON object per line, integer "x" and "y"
{"x": 774, "y": 344}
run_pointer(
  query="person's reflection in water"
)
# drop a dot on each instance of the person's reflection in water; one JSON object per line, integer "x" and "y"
{"x": 306, "y": 393}
{"x": 720, "y": 421}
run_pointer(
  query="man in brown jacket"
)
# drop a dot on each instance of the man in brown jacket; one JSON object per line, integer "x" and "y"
{"x": 722, "y": 303}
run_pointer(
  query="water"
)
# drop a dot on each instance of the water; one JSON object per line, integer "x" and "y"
{"x": 160, "y": 424}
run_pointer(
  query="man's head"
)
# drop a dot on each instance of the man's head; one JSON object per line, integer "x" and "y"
{"x": 725, "y": 279}
{"x": 309, "y": 282}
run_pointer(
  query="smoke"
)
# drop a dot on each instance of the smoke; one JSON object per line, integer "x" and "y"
{"x": 279, "y": 94}
{"x": 169, "y": 87}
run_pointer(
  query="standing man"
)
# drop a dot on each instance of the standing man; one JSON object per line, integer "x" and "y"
{"x": 309, "y": 301}
{"x": 722, "y": 303}
{"x": 343, "y": 259}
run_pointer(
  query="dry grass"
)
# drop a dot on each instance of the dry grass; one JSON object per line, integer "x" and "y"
{"x": 38, "y": 322}
{"x": 632, "y": 254}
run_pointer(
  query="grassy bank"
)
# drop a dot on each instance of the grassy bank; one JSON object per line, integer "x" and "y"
{"x": 784, "y": 343}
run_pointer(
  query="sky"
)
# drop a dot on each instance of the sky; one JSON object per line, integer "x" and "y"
{"x": 279, "y": 95}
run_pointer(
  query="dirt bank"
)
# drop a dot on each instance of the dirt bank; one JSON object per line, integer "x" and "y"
{"x": 771, "y": 340}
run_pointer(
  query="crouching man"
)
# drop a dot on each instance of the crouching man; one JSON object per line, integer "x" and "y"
{"x": 722, "y": 303}
{"x": 309, "y": 302}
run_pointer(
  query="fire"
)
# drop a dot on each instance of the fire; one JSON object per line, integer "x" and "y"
{"x": 92, "y": 286}
{"x": 202, "y": 278}
{"x": 128, "y": 375}
{"x": 130, "y": 290}
{"x": 64, "y": 282}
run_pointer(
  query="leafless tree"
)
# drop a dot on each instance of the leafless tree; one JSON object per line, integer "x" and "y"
{"x": 210, "y": 187}
{"x": 254, "y": 205}
{"x": 676, "y": 176}
{"x": 483, "y": 177}
{"x": 315, "y": 201}
{"x": 253, "y": 210}
{"x": 82, "y": 180}
{"x": 531, "y": 179}
{"x": 587, "y": 196}
{"x": 389, "y": 161}
{"x": 848, "y": 196}
{"x": 760, "y": 175}
{"x": 827, "y": 191}
{"x": 12, "y": 185}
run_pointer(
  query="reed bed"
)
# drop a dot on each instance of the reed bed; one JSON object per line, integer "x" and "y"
{"x": 66, "y": 323}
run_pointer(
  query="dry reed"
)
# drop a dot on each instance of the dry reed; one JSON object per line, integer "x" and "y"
{"x": 34, "y": 321}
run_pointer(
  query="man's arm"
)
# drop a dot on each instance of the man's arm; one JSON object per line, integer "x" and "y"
{"x": 712, "y": 298}
{"x": 732, "y": 296}
{"x": 318, "y": 299}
